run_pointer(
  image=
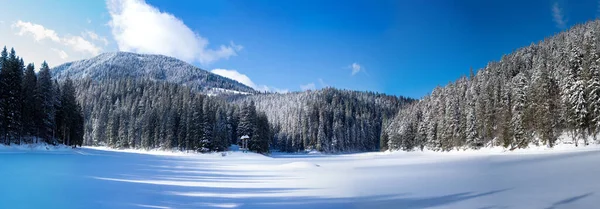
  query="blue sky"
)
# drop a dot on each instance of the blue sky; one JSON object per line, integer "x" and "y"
{"x": 396, "y": 47}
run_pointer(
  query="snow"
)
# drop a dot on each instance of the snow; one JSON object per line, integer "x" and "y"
{"x": 563, "y": 177}
{"x": 34, "y": 147}
{"x": 118, "y": 65}
{"x": 221, "y": 91}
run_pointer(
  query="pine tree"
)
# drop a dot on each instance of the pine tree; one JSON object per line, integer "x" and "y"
{"x": 222, "y": 130}
{"x": 123, "y": 131}
{"x": 4, "y": 69}
{"x": 247, "y": 120}
{"x": 45, "y": 102}
{"x": 505, "y": 129}
{"x": 576, "y": 101}
{"x": 10, "y": 99}
{"x": 112, "y": 126}
{"x": 521, "y": 138}
{"x": 472, "y": 136}
{"x": 260, "y": 140}
{"x": 383, "y": 142}
{"x": 206, "y": 140}
{"x": 196, "y": 125}
{"x": 541, "y": 97}
{"x": 29, "y": 102}
{"x": 69, "y": 116}
{"x": 99, "y": 126}
{"x": 593, "y": 90}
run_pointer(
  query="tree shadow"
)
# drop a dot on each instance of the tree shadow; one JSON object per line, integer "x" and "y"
{"x": 105, "y": 179}
{"x": 545, "y": 157}
{"x": 378, "y": 201}
{"x": 569, "y": 200}
{"x": 165, "y": 182}
{"x": 493, "y": 207}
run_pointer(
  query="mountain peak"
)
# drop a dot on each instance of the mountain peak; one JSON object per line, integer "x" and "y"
{"x": 118, "y": 65}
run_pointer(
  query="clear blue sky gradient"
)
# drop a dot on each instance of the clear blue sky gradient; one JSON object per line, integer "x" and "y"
{"x": 406, "y": 47}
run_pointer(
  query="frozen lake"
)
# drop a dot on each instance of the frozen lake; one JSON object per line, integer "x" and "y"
{"x": 93, "y": 178}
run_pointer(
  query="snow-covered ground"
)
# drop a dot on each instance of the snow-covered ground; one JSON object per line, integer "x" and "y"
{"x": 101, "y": 178}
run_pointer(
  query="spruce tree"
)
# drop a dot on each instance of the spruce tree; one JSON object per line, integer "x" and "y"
{"x": 593, "y": 90}
{"x": 29, "y": 102}
{"x": 576, "y": 103}
{"x": 4, "y": 69}
{"x": 11, "y": 102}
{"x": 69, "y": 115}
{"x": 206, "y": 140}
{"x": 46, "y": 103}
{"x": 521, "y": 139}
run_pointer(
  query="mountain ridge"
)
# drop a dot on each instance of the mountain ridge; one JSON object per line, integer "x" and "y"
{"x": 118, "y": 65}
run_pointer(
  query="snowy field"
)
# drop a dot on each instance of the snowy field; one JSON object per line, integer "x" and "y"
{"x": 96, "y": 178}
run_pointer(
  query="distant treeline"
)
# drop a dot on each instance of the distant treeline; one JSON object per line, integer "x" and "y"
{"x": 327, "y": 120}
{"x": 145, "y": 114}
{"x": 142, "y": 113}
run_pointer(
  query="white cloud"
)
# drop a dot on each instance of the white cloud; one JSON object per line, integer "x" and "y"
{"x": 355, "y": 68}
{"x": 38, "y": 32}
{"x": 139, "y": 27}
{"x": 81, "y": 45}
{"x": 62, "y": 54}
{"x": 308, "y": 86}
{"x": 95, "y": 37}
{"x": 281, "y": 91}
{"x": 235, "y": 75}
{"x": 323, "y": 84}
{"x": 244, "y": 79}
{"x": 558, "y": 16}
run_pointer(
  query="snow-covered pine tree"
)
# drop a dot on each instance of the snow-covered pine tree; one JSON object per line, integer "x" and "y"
{"x": 593, "y": 87}
{"x": 519, "y": 102}
{"x": 576, "y": 101}
{"x": 206, "y": 140}
{"x": 472, "y": 135}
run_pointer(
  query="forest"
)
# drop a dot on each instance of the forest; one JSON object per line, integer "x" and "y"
{"x": 145, "y": 114}
{"x": 141, "y": 113}
{"x": 34, "y": 107}
{"x": 530, "y": 97}
{"x": 144, "y": 101}
{"x": 328, "y": 120}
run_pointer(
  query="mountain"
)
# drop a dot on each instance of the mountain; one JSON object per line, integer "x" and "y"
{"x": 120, "y": 65}
{"x": 148, "y": 101}
{"x": 542, "y": 94}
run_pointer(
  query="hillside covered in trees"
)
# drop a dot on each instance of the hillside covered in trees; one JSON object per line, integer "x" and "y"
{"x": 121, "y": 65}
{"x": 146, "y": 114}
{"x": 151, "y": 101}
{"x": 329, "y": 120}
{"x": 529, "y": 97}
{"x": 34, "y": 107}
{"x": 141, "y": 113}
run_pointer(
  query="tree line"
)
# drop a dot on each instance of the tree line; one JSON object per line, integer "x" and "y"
{"x": 34, "y": 107}
{"x": 327, "y": 120}
{"x": 149, "y": 114}
{"x": 534, "y": 96}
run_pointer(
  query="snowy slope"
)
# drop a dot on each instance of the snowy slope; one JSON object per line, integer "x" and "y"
{"x": 118, "y": 65}
{"x": 91, "y": 178}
